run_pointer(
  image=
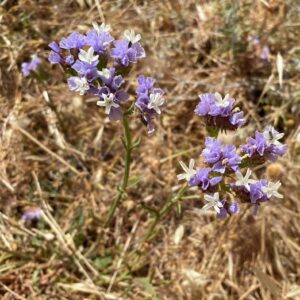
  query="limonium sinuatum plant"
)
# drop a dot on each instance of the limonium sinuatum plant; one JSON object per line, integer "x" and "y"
{"x": 97, "y": 64}
{"x": 224, "y": 176}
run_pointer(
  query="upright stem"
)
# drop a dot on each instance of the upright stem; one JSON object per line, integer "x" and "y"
{"x": 127, "y": 141}
{"x": 165, "y": 209}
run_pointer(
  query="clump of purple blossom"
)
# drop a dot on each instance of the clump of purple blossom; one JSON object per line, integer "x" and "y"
{"x": 97, "y": 65}
{"x": 150, "y": 100}
{"x": 31, "y": 66}
{"x": 220, "y": 176}
{"x": 219, "y": 112}
{"x": 31, "y": 214}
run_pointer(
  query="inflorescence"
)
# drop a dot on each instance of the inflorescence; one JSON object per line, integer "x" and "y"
{"x": 97, "y": 65}
{"x": 31, "y": 66}
{"x": 220, "y": 175}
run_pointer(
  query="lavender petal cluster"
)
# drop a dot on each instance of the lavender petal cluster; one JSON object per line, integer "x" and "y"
{"x": 221, "y": 158}
{"x": 219, "y": 112}
{"x": 98, "y": 65}
{"x": 220, "y": 176}
{"x": 31, "y": 66}
{"x": 265, "y": 146}
{"x": 150, "y": 100}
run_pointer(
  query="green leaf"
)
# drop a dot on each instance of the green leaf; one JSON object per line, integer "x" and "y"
{"x": 133, "y": 180}
{"x": 149, "y": 288}
{"x": 103, "y": 262}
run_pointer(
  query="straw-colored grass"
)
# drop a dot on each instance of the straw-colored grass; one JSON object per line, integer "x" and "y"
{"x": 58, "y": 152}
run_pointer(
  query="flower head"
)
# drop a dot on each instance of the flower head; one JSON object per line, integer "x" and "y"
{"x": 156, "y": 100}
{"x": 74, "y": 41}
{"x": 108, "y": 103}
{"x": 78, "y": 84}
{"x": 126, "y": 52}
{"x": 220, "y": 102}
{"x": 204, "y": 179}
{"x": 244, "y": 181}
{"x": 271, "y": 189}
{"x": 213, "y": 202}
{"x": 272, "y": 136}
{"x": 88, "y": 56}
{"x": 220, "y": 157}
{"x": 101, "y": 28}
{"x": 131, "y": 37}
{"x": 150, "y": 100}
{"x": 265, "y": 145}
{"x": 32, "y": 65}
{"x": 219, "y": 112}
{"x": 32, "y": 213}
{"x": 189, "y": 171}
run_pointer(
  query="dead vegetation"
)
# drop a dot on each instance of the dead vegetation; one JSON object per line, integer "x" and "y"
{"x": 59, "y": 153}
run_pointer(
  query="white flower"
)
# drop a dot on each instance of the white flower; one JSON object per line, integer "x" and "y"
{"x": 108, "y": 103}
{"x": 220, "y": 101}
{"x": 105, "y": 73}
{"x": 130, "y": 36}
{"x": 102, "y": 28}
{"x": 81, "y": 85}
{"x": 272, "y": 136}
{"x": 272, "y": 189}
{"x": 156, "y": 100}
{"x": 88, "y": 56}
{"x": 213, "y": 202}
{"x": 189, "y": 171}
{"x": 244, "y": 181}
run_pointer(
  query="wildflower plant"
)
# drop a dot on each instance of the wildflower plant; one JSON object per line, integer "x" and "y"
{"x": 224, "y": 175}
{"x": 98, "y": 65}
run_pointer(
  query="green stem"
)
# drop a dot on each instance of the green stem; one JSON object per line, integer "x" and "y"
{"x": 165, "y": 209}
{"x": 122, "y": 189}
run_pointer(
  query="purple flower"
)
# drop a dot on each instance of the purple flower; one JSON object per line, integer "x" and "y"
{"x": 219, "y": 112}
{"x": 228, "y": 209}
{"x": 234, "y": 207}
{"x": 111, "y": 102}
{"x": 220, "y": 157}
{"x": 111, "y": 80}
{"x": 256, "y": 192}
{"x": 265, "y": 53}
{"x": 32, "y": 65}
{"x": 125, "y": 52}
{"x": 74, "y": 41}
{"x": 222, "y": 214}
{"x": 100, "y": 41}
{"x": 213, "y": 150}
{"x": 150, "y": 100}
{"x": 203, "y": 180}
{"x": 78, "y": 84}
{"x": 54, "y": 58}
{"x": 265, "y": 145}
{"x": 32, "y": 213}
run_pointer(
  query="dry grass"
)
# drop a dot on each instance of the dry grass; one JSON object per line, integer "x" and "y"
{"x": 68, "y": 160}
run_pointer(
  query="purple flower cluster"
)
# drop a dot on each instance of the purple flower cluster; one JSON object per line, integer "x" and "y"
{"x": 32, "y": 65}
{"x": 219, "y": 112}
{"x": 265, "y": 146}
{"x": 150, "y": 100}
{"x": 221, "y": 175}
{"x": 228, "y": 209}
{"x": 204, "y": 179}
{"x": 220, "y": 157}
{"x": 99, "y": 64}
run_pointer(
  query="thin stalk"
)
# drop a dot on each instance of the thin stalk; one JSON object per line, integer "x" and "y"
{"x": 165, "y": 209}
{"x": 127, "y": 141}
